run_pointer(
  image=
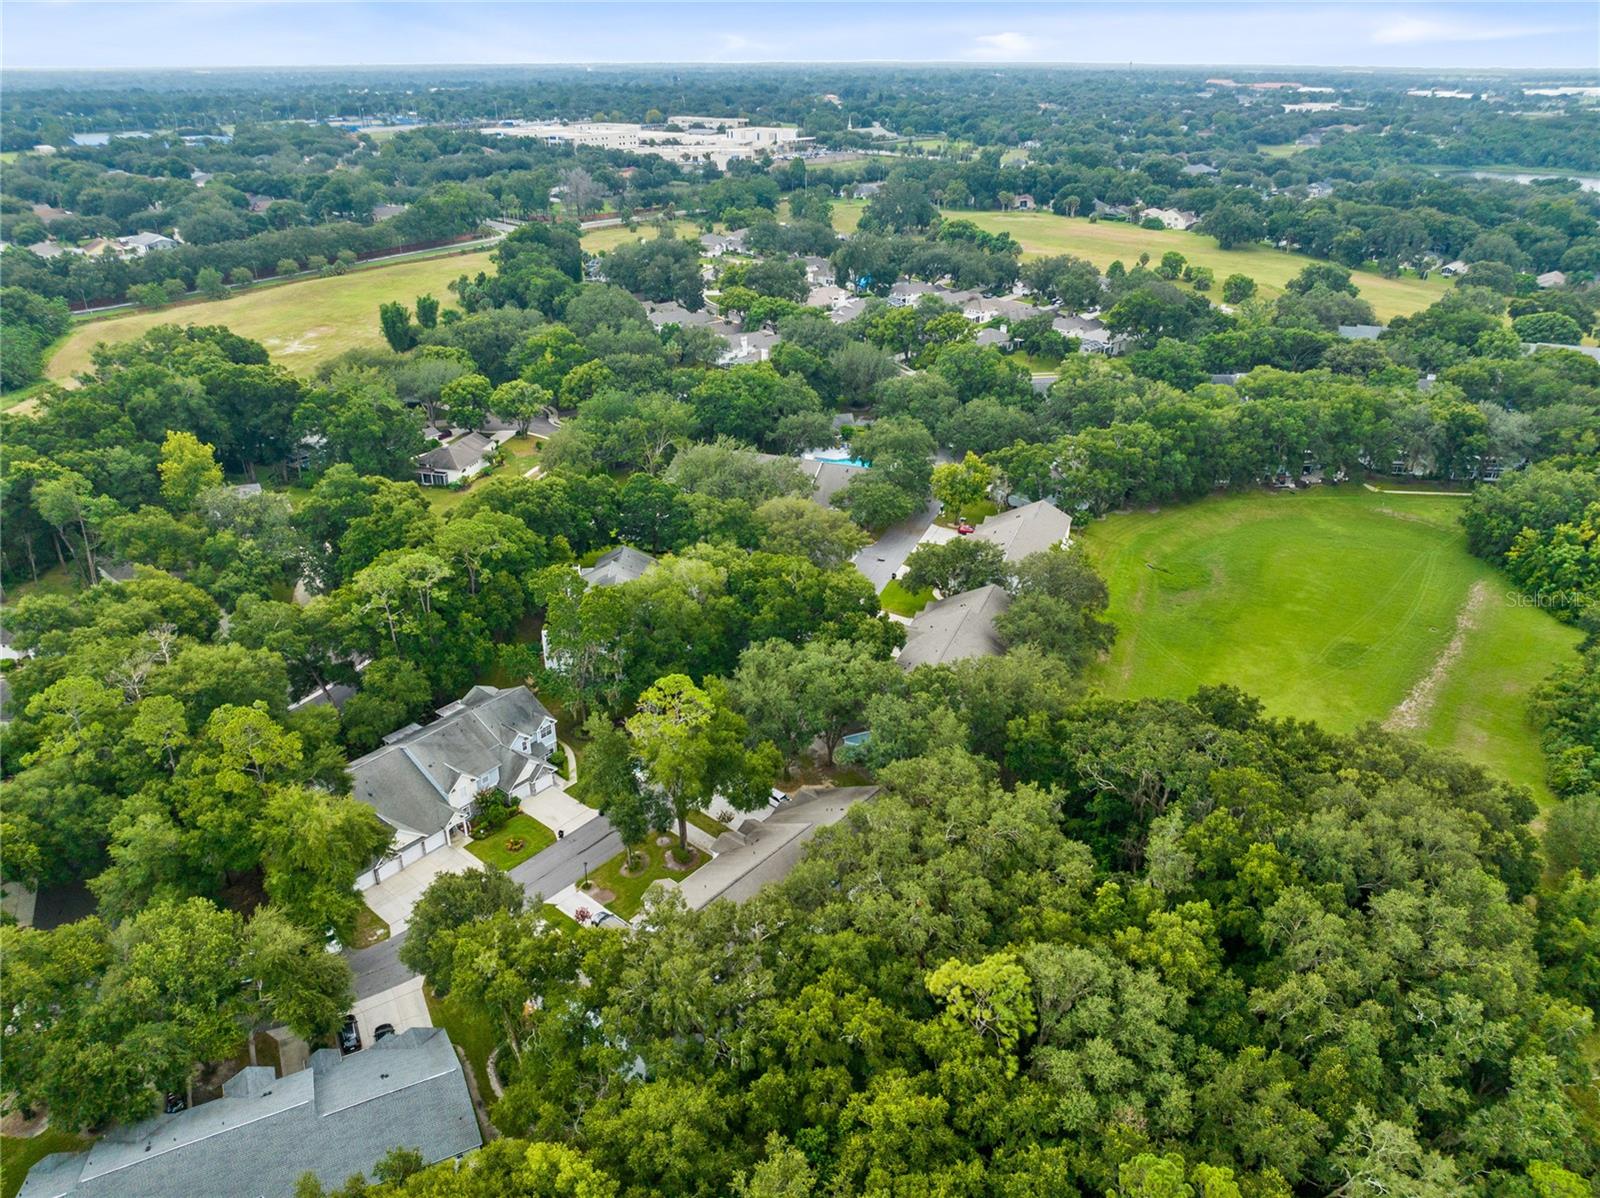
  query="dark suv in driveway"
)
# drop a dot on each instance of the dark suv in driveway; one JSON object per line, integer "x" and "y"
{"x": 349, "y": 1036}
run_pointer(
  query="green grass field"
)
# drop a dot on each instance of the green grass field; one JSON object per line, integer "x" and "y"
{"x": 302, "y": 324}
{"x": 1331, "y": 605}
{"x": 19, "y": 1154}
{"x": 847, "y": 215}
{"x": 1042, "y": 233}
{"x": 598, "y": 241}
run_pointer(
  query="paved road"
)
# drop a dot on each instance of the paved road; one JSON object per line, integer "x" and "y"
{"x": 562, "y": 864}
{"x": 378, "y": 968}
{"x": 881, "y": 560}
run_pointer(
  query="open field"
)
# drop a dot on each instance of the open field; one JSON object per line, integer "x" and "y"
{"x": 1331, "y": 605}
{"x": 302, "y": 324}
{"x": 598, "y": 241}
{"x": 847, "y": 215}
{"x": 1046, "y": 233}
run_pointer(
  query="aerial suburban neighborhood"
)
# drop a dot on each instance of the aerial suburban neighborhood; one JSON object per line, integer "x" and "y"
{"x": 800, "y": 601}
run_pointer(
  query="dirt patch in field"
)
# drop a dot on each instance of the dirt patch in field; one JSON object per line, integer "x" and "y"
{"x": 303, "y": 344}
{"x": 1411, "y": 711}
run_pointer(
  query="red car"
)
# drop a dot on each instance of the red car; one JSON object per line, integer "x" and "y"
{"x": 964, "y": 528}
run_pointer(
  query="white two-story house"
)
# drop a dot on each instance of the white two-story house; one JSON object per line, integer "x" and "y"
{"x": 425, "y": 780}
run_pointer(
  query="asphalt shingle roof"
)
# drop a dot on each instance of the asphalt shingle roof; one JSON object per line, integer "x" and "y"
{"x": 623, "y": 564}
{"x": 335, "y": 1119}
{"x": 1026, "y": 530}
{"x": 955, "y": 628}
{"x": 408, "y": 781}
{"x": 459, "y": 454}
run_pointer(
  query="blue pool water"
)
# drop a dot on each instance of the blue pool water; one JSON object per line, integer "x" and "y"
{"x": 838, "y": 461}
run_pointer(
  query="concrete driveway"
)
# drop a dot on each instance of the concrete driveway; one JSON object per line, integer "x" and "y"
{"x": 391, "y": 900}
{"x": 401, "y": 1005}
{"x": 882, "y": 560}
{"x": 557, "y": 810}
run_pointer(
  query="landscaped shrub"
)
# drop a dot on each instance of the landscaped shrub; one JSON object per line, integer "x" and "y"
{"x": 495, "y": 807}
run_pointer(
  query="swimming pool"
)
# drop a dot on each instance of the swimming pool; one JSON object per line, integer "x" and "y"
{"x": 836, "y": 459}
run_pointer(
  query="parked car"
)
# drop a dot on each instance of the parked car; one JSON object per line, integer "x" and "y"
{"x": 349, "y": 1036}
{"x": 964, "y": 528}
{"x": 382, "y": 1030}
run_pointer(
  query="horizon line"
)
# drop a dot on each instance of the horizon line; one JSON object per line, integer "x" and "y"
{"x": 966, "y": 64}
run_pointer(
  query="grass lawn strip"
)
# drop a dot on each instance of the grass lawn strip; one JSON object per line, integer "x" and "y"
{"x": 370, "y": 928}
{"x": 629, "y": 891}
{"x": 472, "y": 1031}
{"x": 491, "y": 850}
{"x": 708, "y": 825}
{"x": 1329, "y": 605}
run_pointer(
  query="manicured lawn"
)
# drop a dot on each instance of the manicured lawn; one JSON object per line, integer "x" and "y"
{"x": 302, "y": 324}
{"x": 473, "y": 1030}
{"x": 370, "y": 928}
{"x": 492, "y": 849}
{"x": 520, "y": 453}
{"x": 901, "y": 602}
{"x": 630, "y": 890}
{"x": 973, "y": 513}
{"x": 1042, "y": 233}
{"x": 598, "y": 241}
{"x": 18, "y": 1154}
{"x": 1329, "y": 605}
{"x": 1286, "y": 149}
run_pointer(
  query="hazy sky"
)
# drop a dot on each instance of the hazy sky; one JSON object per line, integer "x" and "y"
{"x": 85, "y": 33}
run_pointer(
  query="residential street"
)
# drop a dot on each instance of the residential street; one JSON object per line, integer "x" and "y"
{"x": 378, "y": 968}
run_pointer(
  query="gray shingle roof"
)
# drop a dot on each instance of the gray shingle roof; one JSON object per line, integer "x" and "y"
{"x": 1026, "y": 530}
{"x": 407, "y": 781}
{"x": 661, "y": 315}
{"x": 828, "y": 478}
{"x": 956, "y": 628}
{"x": 335, "y": 1119}
{"x": 623, "y": 564}
{"x": 1360, "y": 332}
{"x": 460, "y": 454}
{"x": 765, "y": 851}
